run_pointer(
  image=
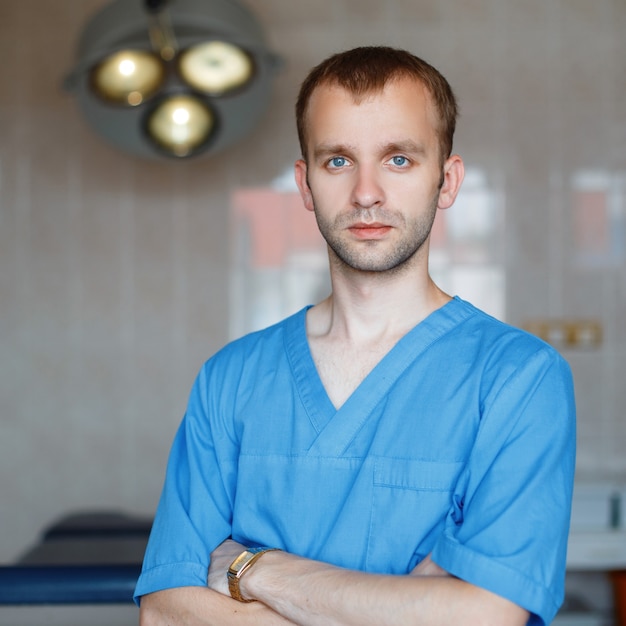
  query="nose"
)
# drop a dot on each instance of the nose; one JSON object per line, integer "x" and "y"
{"x": 368, "y": 190}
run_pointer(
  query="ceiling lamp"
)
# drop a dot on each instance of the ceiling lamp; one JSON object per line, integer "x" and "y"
{"x": 128, "y": 77}
{"x": 216, "y": 67}
{"x": 180, "y": 124}
{"x": 172, "y": 79}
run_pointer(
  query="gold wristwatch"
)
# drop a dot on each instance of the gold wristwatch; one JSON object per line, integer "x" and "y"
{"x": 240, "y": 566}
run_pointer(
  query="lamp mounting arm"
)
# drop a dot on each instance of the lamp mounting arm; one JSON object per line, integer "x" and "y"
{"x": 155, "y": 6}
{"x": 160, "y": 29}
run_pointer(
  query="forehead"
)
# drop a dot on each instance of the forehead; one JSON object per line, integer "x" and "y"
{"x": 403, "y": 106}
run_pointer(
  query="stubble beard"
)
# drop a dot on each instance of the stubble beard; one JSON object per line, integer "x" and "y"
{"x": 374, "y": 255}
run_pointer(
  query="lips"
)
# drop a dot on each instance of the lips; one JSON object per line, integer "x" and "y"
{"x": 374, "y": 230}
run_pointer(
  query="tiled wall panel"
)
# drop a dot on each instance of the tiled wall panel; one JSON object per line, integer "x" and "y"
{"x": 114, "y": 272}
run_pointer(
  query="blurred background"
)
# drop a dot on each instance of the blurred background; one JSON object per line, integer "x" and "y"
{"x": 120, "y": 275}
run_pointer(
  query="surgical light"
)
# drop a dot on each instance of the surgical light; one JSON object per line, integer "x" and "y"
{"x": 172, "y": 78}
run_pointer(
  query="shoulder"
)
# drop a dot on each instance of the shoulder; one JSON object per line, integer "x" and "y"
{"x": 255, "y": 348}
{"x": 501, "y": 337}
{"x": 238, "y": 367}
{"x": 502, "y": 352}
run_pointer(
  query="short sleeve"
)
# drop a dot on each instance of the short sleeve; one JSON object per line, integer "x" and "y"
{"x": 508, "y": 529}
{"x": 194, "y": 513}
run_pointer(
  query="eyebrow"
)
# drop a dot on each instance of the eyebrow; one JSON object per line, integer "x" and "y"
{"x": 408, "y": 146}
{"x": 326, "y": 150}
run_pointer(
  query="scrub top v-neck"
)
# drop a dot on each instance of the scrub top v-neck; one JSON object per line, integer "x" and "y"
{"x": 337, "y": 427}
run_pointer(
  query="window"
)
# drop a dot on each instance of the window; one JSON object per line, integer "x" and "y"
{"x": 279, "y": 258}
{"x": 280, "y": 263}
{"x": 598, "y": 218}
{"x": 466, "y": 256}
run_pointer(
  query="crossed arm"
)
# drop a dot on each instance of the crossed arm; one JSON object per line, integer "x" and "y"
{"x": 295, "y": 591}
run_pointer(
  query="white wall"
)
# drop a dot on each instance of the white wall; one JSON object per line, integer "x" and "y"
{"x": 114, "y": 271}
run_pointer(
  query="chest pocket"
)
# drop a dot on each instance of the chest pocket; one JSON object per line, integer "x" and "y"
{"x": 410, "y": 502}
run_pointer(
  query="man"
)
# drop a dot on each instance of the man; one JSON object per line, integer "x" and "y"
{"x": 408, "y": 459}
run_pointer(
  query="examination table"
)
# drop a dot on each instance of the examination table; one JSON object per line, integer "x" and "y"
{"x": 85, "y": 559}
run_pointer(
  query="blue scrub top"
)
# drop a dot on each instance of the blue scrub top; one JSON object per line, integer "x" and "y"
{"x": 460, "y": 442}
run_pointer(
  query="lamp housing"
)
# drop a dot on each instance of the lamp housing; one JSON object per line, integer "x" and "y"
{"x": 210, "y": 37}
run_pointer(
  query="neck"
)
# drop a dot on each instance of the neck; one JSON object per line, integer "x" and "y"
{"x": 368, "y": 307}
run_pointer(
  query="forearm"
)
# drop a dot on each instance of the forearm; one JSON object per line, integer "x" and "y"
{"x": 310, "y": 593}
{"x": 200, "y": 606}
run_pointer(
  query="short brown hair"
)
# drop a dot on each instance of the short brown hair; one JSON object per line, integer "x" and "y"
{"x": 368, "y": 69}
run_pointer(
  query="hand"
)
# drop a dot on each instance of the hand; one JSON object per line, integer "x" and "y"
{"x": 221, "y": 558}
{"x": 427, "y": 567}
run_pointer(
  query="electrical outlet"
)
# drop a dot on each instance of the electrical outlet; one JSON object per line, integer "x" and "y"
{"x": 567, "y": 333}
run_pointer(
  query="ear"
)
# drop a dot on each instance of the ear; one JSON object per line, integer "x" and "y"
{"x": 453, "y": 174}
{"x": 300, "y": 170}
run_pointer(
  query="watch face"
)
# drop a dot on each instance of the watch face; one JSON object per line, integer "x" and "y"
{"x": 240, "y": 561}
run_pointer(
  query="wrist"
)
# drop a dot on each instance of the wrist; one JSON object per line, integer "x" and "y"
{"x": 241, "y": 566}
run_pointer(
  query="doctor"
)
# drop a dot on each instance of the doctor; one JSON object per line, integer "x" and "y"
{"x": 390, "y": 455}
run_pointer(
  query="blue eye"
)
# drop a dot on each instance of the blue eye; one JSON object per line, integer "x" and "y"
{"x": 337, "y": 161}
{"x": 400, "y": 161}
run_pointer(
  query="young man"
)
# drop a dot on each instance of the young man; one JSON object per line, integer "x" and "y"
{"x": 410, "y": 457}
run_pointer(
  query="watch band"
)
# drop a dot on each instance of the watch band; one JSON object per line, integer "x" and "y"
{"x": 240, "y": 566}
